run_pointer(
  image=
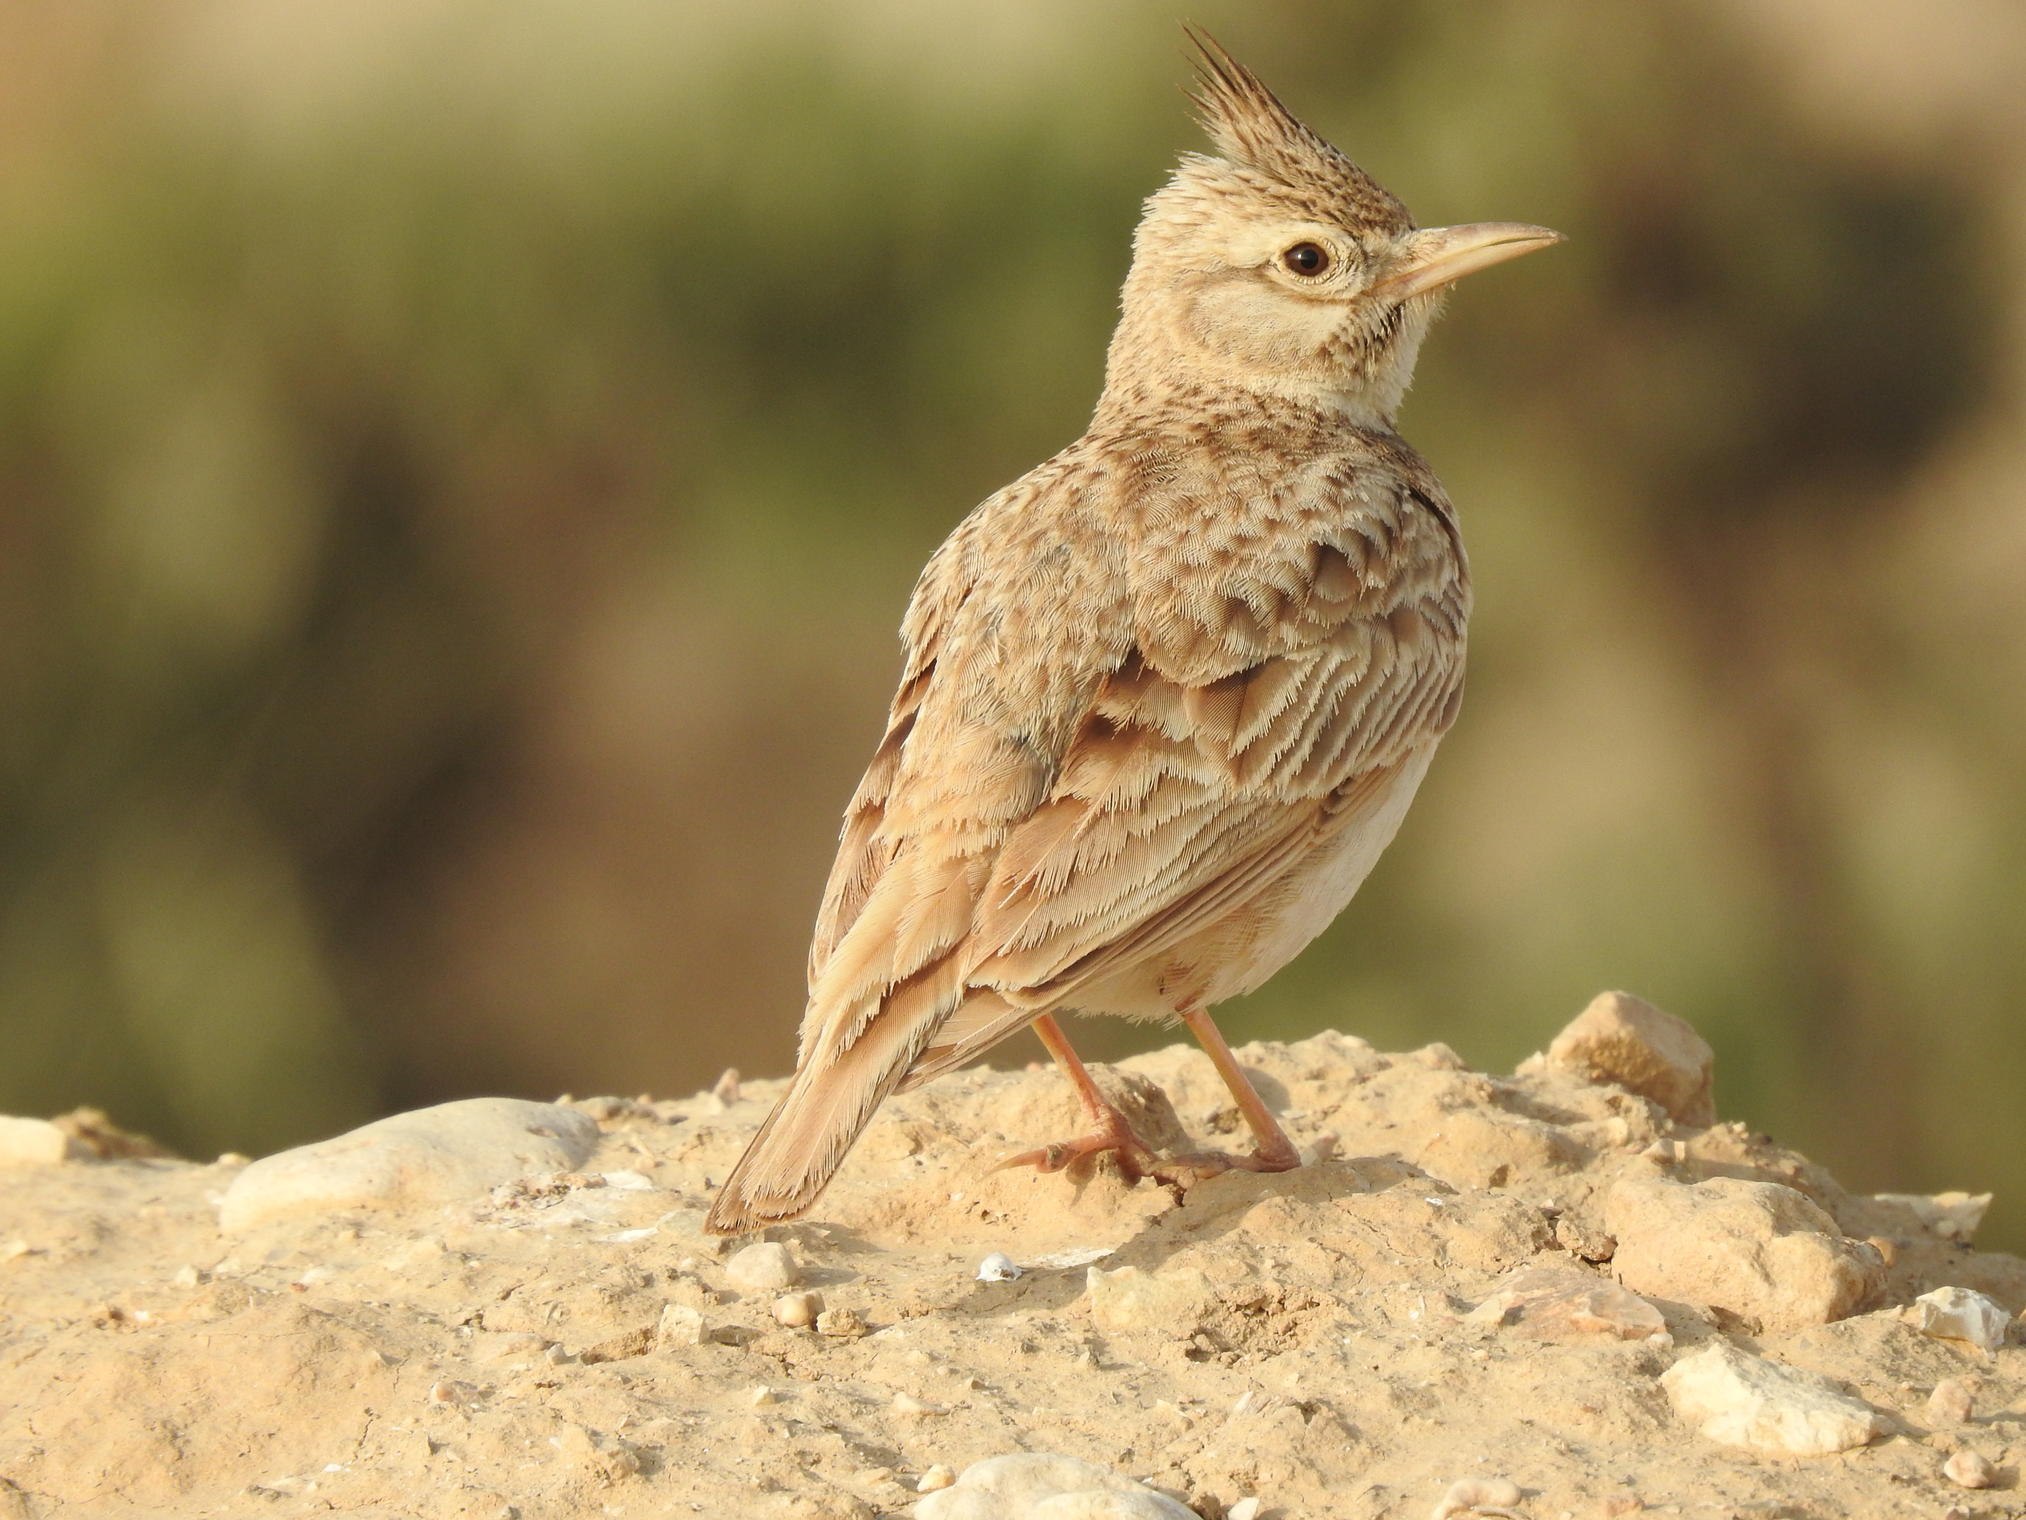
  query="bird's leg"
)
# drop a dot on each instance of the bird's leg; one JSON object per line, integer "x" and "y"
{"x": 1109, "y": 1130}
{"x": 1273, "y": 1151}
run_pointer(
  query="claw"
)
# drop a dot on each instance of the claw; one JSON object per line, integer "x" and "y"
{"x": 1116, "y": 1136}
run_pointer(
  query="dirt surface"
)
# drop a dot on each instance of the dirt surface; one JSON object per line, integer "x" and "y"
{"x": 571, "y": 1344}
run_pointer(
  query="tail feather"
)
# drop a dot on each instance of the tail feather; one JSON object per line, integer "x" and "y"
{"x": 831, "y": 1100}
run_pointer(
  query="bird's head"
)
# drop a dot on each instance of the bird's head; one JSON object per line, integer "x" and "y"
{"x": 1279, "y": 266}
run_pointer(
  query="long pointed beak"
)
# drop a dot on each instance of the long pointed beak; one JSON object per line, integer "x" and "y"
{"x": 1437, "y": 256}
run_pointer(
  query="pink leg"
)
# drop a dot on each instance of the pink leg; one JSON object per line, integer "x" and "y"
{"x": 1274, "y": 1152}
{"x": 1109, "y": 1130}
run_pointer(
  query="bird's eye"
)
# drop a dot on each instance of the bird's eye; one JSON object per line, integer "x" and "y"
{"x": 1306, "y": 259}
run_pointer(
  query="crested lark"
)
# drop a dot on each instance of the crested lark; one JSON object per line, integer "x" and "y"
{"x": 1167, "y": 696}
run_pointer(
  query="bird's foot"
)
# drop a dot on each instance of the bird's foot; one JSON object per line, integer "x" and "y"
{"x": 1137, "y": 1161}
{"x": 1112, "y": 1134}
{"x": 1200, "y": 1166}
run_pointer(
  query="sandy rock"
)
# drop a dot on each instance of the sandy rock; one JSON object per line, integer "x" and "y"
{"x": 1477, "y": 1496}
{"x": 1952, "y": 1216}
{"x": 1567, "y": 1303}
{"x": 764, "y": 1268}
{"x": 1970, "y": 1469}
{"x": 1736, "y": 1399}
{"x": 1623, "y": 1039}
{"x": 1951, "y": 1403}
{"x": 680, "y": 1325}
{"x": 1041, "y": 1486}
{"x": 798, "y": 1311}
{"x": 414, "y": 1160}
{"x": 1130, "y": 1299}
{"x": 845, "y": 1324}
{"x": 444, "y": 1360}
{"x": 34, "y": 1142}
{"x": 1144, "y": 1504}
{"x": 1754, "y": 1249}
{"x": 1959, "y": 1314}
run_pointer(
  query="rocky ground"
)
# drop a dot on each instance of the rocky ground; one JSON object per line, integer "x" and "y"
{"x": 1561, "y": 1293}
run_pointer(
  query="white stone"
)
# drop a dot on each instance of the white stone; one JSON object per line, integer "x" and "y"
{"x": 1953, "y": 1216}
{"x": 1970, "y": 1469}
{"x": 1961, "y": 1314}
{"x": 936, "y": 1478}
{"x": 998, "y": 1267}
{"x": 33, "y": 1142}
{"x": 1477, "y": 1496}
{"x": 1042, "y": 1486}
{"x": 764, "y": 1268}
{"x": 1740, "y": 1400}
{"x": 1092, "y": 1504}
{"x": 423, "y": 1159}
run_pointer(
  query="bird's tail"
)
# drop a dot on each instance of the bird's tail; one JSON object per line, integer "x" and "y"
{"x": 851, "y": 1069}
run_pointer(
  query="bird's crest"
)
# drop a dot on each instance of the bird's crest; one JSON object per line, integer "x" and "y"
{"x": 1253, "y": 130}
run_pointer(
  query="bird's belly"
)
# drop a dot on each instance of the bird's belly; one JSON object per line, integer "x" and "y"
{"x": 1317, "y": 889}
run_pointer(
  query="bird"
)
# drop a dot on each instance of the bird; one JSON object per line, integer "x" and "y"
{"x": 1165, "y": 698}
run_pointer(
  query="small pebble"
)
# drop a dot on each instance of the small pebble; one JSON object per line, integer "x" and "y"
{"x": 998, "y": 1267}
{"x": 1969, "y": 1469}
{"x": 34, "y": 1142}
{"x": 1477, "y": 1496}
{"x": 942, "y": 1475}
{"x": 798, "y": 1311}
{"x": 846, "y": 1324}
{"x": 680, "y": 1325}
{"x": 908, "y": 1404}
{"x": 1951, "y": 1403}
{"x": 764, "y": 1268}
{"x": 762, "y": 1395}
{"x": 726, "y": 1088}
{"x": 1961, "y": 1314}
{"x": 1245, "y": 1509}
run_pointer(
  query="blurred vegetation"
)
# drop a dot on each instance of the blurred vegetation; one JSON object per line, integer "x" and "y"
{"x": 461, "y": 468}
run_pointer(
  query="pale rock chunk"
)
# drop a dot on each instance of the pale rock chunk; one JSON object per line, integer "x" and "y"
{"x": 680, "y": 1325}
{"x": 1740, "y": 1400}
{"x": 798, "y": 1311}
{"x": 1129, "y": 1299}
{"x": 1754, "y": 1249}
{"x": 1623, "y": 1039}
{"x": 1970, "y": 1469}
{"x": 764, "y": 1268}
{"x": 1477, "y": 1496}
{"x": 1042, "y": 1486}
{"x": 1951, "y": 1403}
{"x": 417, "y": 1160}
{"x": 1566, "y": 1303}
{"x": 1952, "y": 1216}
{"x": 1961, "y": 1314}
{"x": 34, "y": 1142}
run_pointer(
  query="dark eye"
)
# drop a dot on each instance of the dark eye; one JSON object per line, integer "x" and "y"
{"x": 1307, "y": 259}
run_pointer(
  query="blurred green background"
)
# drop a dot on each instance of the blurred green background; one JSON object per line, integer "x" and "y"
{"x": 461, "y": 467}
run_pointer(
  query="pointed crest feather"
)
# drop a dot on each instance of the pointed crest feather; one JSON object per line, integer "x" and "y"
{"x": 1253, "y": 130}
